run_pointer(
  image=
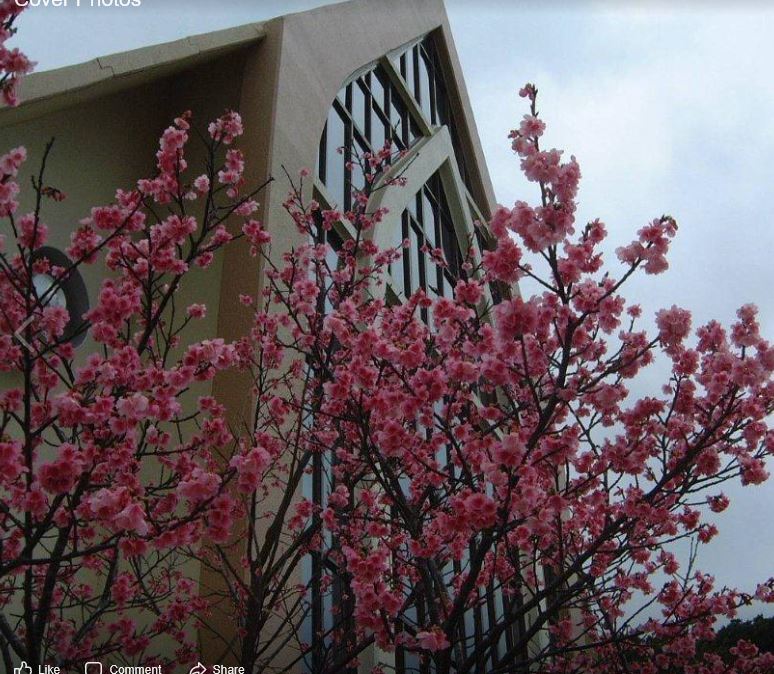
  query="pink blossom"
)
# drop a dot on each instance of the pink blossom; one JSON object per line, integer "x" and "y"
{"x": 532, "y": 126}
{"x": 528, "y": 91}
{"x": 12, "y": 161}
{"x": 202, "y": 184}
{"x": 718, "y": 503}
{"x": 432, "y": 640}
{"x": 250, "y": 468}
{"x": 226, "y": 128}
{"x": 61, "y": 475}
{"x": 674, "y": 325}
{"x": 196, "y": 310}
{"x": 11, "y": 465}
{"x": 468, "y": 292}
{"x": 132, "y": 518}
{"x": 502, "y": 263}
{"x": 509, "y": 451}
{"x": 200, "y": 485}
{"x": 33, "y": 233}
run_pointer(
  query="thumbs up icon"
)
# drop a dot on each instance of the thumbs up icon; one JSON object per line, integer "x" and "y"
{"x": 23, "y": 668}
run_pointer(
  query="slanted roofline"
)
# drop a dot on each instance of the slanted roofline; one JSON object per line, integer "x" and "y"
{"x": 50, "y": 90}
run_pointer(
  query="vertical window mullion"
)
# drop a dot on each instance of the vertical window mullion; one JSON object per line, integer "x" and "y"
{"x": 478, "y": 635}
{"x": 407, "y": 253}
{"x": 316, "y": 579}
{"x": 415, "y": 66}
{"x": 368, "y": 114}
{"x": 322, "y": 155}
{"x": 348, "y": 147}
{"x": 491, "y": 606}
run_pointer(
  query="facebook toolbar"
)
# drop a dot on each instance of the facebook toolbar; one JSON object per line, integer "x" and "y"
{"x": 99, "y": 668}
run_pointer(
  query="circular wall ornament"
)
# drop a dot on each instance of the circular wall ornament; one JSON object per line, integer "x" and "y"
{"x": 71, "y": 293}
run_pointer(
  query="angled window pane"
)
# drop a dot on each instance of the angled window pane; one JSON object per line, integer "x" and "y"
{"x": 451, "y": 247}
{"x": 379, "y": 85}
{"x": 341, "y": 96}
{"x": 359, "y": 108}
{"x": 441, "y": 102}
{"x": 398, "y": 119}
{"x": 358, "y": 176}
{"x": 379, "y": 133}
{"x": 423, "y": 88}
{"x": 429, "y": 218}
{"x": 336, "y": 138}
{"x": 406, "y": 255}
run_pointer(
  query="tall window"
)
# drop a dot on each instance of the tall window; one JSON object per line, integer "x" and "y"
{"x": 367, "y": 113}
{"x": 328, "y": 604}
{"x": 392, "y": 102}
{"x": 428, "y": 226}
{"x": 421, "y": 69}
{"x": 372, "y": 109}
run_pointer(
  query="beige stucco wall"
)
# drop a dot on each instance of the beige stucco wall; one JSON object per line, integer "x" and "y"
{"x": 109, "y": 141}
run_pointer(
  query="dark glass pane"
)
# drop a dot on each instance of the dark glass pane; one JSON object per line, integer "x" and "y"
{"x": 429, "y": 218}
{"x": 448, "y": 285}
{"x": 398, "y": 118}
{"x": 378, "y": 133}
{"x": 443, "y": 285}
{"x": 396, "y": 269}
{"x": 417, "y": 258}
{"x": 468, "y": 627}
{"x": 358, "y": 177}
{"x": 359, "y": 108}
{"x": 420, "y": 243}
{"x": 451, "y": 249}
{"x": 439, "y": 280}
{"x": 414, "y": 131}
{"x": 321, "y": 155}
{"x": 441, "y": 102}
{"x": 334, "y": 164}
{"x": 458, "y": 151}
{"x": 406, "y": 255}
{"x": 415, "y": 66}
{"x": 379, "y": 85}
{"x": 335, "y": 244}
{"x": 425, "y": 75}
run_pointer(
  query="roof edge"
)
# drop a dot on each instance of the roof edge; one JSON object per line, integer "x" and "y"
{"x": 95, "y": 76}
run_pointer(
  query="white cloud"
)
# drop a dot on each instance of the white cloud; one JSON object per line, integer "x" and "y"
{"x": 666, "y": 111}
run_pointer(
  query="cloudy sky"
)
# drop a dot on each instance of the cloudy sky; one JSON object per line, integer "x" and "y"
{"x": 667, "y": 110}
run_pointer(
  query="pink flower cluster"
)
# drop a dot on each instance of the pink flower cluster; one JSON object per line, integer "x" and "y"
{"x": 651, "y": 247}
{"x": 227, "y": 128}
{"x": 250, "y": 468}
{"x": 13, "y": 63}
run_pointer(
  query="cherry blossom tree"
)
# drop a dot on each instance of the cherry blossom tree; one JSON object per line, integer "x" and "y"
{"x": 491, "y": 466}
{"x": 110, "y": 463}
{"x": 497, "y": 498}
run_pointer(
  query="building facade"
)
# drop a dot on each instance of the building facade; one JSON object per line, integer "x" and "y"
{"x": 355, "y": 76}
